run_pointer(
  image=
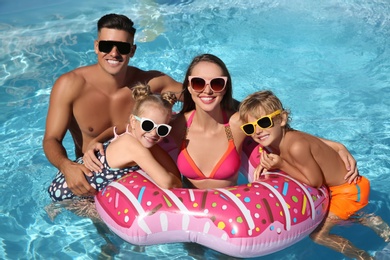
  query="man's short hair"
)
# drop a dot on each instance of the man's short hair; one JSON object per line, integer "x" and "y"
{"x": 116, "y": 21}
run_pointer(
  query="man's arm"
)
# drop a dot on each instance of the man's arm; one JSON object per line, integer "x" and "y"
{"x": 58, "y": 118}
{"x": 164, "y": 83}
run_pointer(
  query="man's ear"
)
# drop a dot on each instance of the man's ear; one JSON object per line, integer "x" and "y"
{"x": 132, "y": 51}
{"x": 96, "y": 46}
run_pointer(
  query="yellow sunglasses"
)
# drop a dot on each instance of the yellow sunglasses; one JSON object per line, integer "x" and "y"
{"x": 263, "y": 122}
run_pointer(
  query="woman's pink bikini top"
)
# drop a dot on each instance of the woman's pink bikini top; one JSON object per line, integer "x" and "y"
{"x": 226, "y": 167}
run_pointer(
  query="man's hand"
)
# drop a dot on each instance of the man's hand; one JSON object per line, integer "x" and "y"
{"x": 90, "y": 160}
{"x": 75, "y": 178}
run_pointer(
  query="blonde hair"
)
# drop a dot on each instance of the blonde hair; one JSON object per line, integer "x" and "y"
{"x": 143, "y": 96}
{"x": 260, "y": 101}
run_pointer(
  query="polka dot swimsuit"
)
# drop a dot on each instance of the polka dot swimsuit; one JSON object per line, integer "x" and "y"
{"x": 58, "y": 189}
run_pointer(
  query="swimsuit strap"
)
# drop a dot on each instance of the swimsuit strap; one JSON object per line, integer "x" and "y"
{"x": 228, "y": 131}
{"x": 127, "y": 129}
{"x": 189, "y": 122}
{"x": 115, "y": 134}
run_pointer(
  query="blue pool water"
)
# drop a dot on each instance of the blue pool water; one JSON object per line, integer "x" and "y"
{"x": 329, "y": 61}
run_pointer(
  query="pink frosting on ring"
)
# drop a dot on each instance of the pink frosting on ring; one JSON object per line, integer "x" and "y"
{"x": 246, "y": 220}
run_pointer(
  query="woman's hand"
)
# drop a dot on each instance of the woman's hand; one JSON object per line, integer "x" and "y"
{"x": 350, "y": 164}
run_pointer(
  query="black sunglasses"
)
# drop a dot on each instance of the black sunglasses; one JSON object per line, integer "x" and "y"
{"x": 198, "y": 84}
{"x": 148, "y": 125}
{"x": 123, "y": 47}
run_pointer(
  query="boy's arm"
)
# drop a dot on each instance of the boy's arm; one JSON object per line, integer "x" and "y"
{"x": 303, "y": 167}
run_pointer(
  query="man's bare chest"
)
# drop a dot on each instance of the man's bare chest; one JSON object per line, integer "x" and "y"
{"x": 95, "y": 113}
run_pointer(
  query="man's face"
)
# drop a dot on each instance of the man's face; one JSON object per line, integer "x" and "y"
{"x": 114, "y": 49}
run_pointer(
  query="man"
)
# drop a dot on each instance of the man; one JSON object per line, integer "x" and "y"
{"x": 90, "y": 99}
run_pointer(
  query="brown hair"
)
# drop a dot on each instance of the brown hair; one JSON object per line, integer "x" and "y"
{"x": 227, "y": 102}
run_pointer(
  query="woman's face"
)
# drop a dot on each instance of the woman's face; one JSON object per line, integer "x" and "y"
{"x": 207, "y": 99}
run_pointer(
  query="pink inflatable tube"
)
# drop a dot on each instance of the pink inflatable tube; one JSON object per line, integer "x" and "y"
{"x": 247, "y": 220}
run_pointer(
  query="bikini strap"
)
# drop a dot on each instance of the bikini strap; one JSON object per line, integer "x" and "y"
{"x": 228, "y": 130}
{"x": 188, "y": 124}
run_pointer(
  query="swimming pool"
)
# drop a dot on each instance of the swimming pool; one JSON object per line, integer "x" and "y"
{"x": 329, "y": 63}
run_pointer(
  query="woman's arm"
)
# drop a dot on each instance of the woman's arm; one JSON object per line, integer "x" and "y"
{"x": 350, "y": 162}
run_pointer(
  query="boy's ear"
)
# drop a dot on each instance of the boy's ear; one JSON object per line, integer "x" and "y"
{"x": 284, "y": 118}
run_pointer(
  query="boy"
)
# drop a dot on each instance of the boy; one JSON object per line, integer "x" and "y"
{"x": 308, "y": 159}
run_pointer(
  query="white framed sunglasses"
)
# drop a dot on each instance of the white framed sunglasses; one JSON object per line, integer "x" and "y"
{"x": 148, "y": 125}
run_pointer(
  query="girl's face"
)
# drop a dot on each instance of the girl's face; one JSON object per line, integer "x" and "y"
{"x": 207, "y": 99}
{"x": 158, "y": 116}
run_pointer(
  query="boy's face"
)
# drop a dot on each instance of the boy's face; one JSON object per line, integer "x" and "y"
{"x": 266, "y": 129}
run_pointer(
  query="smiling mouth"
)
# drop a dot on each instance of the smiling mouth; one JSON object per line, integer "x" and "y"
{"x": 113, "y": 62}
{"x": 151, "y": 139}
{"x": 262, "y": 138}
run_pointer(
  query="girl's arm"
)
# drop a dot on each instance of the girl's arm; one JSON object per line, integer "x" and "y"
{"x": 154, "y": 161}
{"x": 89, "y": 158}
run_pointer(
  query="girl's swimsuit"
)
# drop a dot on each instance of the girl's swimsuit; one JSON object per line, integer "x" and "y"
{"x": 58, "y": 190}
{"x": 226, "y": 167}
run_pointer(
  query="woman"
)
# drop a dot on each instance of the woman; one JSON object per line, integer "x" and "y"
{"x": 207, "y": 130}
{"x": 208, "y": 137}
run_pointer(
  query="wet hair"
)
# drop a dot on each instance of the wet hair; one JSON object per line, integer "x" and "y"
{"x": 261, "y": 101}
{"x": 116, "y": 21}
{"x": 144, "y": 98}
{"x": 227, "y": 102}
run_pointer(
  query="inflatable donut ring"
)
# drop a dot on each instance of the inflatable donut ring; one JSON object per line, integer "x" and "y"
{"x": 249, "y": 220}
